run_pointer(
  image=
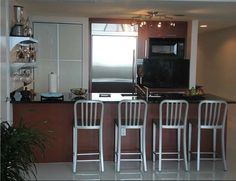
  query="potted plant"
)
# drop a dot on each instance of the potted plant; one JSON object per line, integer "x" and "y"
{"x": 17, "y": 151}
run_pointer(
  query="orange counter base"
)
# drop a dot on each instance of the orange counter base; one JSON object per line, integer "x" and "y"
{"x": 56, "y": 121}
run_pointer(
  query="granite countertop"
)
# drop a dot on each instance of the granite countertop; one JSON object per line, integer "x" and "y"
{"x": 116, "y": 97}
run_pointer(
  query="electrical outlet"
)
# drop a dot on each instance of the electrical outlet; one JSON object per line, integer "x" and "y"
{"x": 123, "y": 132}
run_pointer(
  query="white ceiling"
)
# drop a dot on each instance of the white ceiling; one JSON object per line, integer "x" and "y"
{"x": 216, "y": 13}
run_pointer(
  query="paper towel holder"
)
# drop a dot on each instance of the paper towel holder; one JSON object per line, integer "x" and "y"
{"x": 52, "y": 82}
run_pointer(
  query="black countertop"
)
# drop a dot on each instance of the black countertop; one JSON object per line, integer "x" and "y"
{"x": 116, "y": 97}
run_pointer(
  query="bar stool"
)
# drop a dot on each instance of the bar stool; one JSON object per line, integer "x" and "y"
{"x": 172, "y": 115}
{"x": 88, "y": 114}
{"x": 212, "y": 116}
{"x": 132, "y": 114}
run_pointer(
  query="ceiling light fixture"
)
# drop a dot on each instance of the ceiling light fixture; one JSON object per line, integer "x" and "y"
{"x": 153, "y": 15}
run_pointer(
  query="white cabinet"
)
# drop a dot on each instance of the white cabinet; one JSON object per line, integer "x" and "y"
{"x": 60, "y": 51}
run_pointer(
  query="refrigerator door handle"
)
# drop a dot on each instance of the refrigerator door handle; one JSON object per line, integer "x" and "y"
{"x": 134, "y": 68}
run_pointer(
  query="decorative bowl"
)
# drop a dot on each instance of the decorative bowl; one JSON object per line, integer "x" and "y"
{"x": 79, "y": 91}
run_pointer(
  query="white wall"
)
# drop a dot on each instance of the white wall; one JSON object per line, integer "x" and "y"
{"x": 191, "y": 53}
{"x": 216, "y": 71}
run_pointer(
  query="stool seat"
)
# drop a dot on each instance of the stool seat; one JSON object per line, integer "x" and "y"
{"x": 157, "y": 122}
{"x": 138, "y": 123}
{"x": 96, "y": 124}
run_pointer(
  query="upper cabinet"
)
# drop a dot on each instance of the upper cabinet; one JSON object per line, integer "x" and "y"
{"x": 60, "y": 51}
{"x": 159, "y": 29}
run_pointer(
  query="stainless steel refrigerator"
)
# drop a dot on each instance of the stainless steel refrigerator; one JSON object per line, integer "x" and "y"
{"x": 113, "y": 62}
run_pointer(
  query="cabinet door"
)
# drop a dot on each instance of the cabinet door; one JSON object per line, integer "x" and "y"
{"x": 70, "y": 56}
{"x": 70, "y": 42}
{"x": 46, "y": 34}
{"x": 60, "y": 50}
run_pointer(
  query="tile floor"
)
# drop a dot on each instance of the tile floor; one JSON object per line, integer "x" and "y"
{"x": 172, "y": 170}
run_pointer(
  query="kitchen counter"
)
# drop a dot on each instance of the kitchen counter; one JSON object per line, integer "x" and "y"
{"x": 116, "y": 97}
{"x": 55, "y": 119}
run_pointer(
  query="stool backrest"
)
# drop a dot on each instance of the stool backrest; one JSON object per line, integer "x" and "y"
{"x": 173, "y": 112}
{"x": 212, "y": 113}
{"x": 88, "y": 113}
{"x": 132, "y": 112}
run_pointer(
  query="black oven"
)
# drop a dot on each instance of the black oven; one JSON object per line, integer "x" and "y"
{"x": 166, "y": 47}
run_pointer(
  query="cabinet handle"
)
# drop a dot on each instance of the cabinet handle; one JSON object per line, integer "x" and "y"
{"x": 45, "y": 122}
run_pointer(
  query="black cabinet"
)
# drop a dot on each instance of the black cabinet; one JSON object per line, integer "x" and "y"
{"x": 166, "y": 72}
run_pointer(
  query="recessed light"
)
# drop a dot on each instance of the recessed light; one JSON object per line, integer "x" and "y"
{"x": 203, "y": 26}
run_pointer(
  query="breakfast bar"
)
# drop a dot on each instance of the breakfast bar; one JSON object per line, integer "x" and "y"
{"x": 55, "y": 119}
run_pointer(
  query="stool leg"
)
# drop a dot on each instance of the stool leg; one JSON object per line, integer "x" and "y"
{"x": 119, "y": 149}
{"x": 74, "y": 149}
{"x": 223, "y": 148}
{"x": 153, "y": 142}
{"x": 144, "y": 149}
{"x": 189, "y": 141}
{"x": 101, "y": 149}
{"x": 160, "y": 148}
{"x": 198, "y": 148}
{"x": 179, "y": 135}
{"x": 185, "y": 149}
{"x": 116, "y": 130}
{"x": 214, "y": 143}
{"x": 141, "y": 140}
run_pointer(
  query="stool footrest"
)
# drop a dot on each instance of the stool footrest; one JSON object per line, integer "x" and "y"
{"x": 129, "y": 159}
{"x": 204, "y": 152}
{"x": 167, "y": 153}
{"x": 84, "y": 154}
{"x": 172, "y": 159}
{"x": 211, "y": 159}
{"x": 87, "y": 160}
{"x": 130, "y": 153}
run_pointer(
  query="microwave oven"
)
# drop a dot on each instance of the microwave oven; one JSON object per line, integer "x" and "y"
{"x": 166, "y": 47}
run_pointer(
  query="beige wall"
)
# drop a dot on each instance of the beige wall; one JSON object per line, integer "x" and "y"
{"x": 216, "y": 68}
{"x": 216, "y": 71}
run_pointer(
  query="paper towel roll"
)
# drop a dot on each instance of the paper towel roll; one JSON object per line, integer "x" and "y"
{"x": 52, "y": 82}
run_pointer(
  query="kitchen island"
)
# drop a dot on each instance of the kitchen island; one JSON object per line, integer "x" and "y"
{"x": 55, "y": 119}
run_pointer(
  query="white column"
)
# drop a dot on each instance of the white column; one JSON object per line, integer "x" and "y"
{"x": 193, "y": 54}
{"x": 6, "y": 112}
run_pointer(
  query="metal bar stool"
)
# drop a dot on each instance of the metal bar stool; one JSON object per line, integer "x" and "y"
{"x": 88, "y": 114}
{"x": 172, "y": 115}
{"x": 132, "y": 114}
{"x": 212, "y": 116}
